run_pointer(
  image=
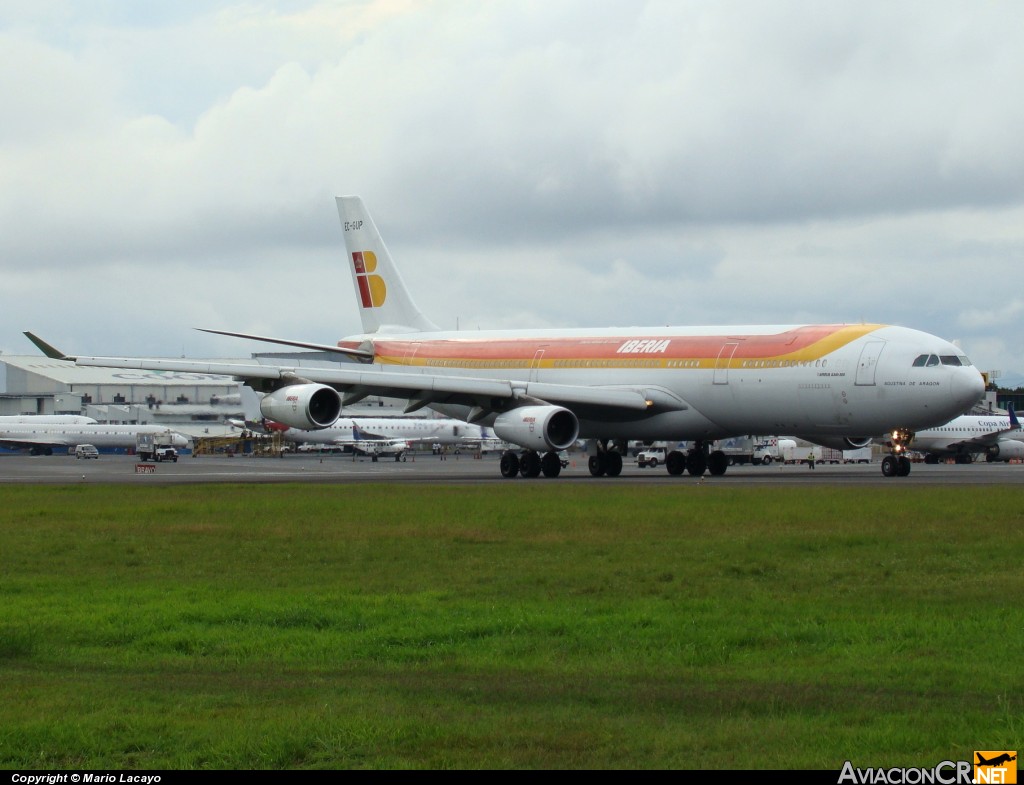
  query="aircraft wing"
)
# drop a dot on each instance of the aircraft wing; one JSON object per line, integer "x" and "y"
{"x": 421, "y": 388}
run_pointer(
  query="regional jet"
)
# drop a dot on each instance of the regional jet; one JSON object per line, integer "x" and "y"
{"x": 997, "y": 437}
{"x": 837, "y": 385}
{"x": 41, "y": 438}
{"x": 373, "y": 436}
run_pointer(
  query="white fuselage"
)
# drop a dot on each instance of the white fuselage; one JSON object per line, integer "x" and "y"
{"x": 819, "y": 381}
{"x": 57, "y": 435}
{"x": 954, "y": 436}
{"x": 428, "y": 430}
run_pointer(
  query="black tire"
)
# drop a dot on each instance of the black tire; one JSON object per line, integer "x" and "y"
{"x": 890, "y": 466}
{"x": 613, "y": 464}
{"x": 529, "y": 464}
{"x": 717, "y": 463}
{"x": 903, "y": 466}
{"x": 509, "y": 464}
{"x": 766, "y": 460}
{"x": 596, "y": 465}
{"x": 654, "y": 463}
{"x": 675, "y": 462}
{"x": 550, "y": 464}
{"x": 695, "y": 464}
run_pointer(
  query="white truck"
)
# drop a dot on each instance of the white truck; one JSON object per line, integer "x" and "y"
{"x": 861, "y": 455}
{"x": 758, "y": 450}
{"x": 652, "y": 456}
{"x": 155, "y": 447}
{"x": 799, "y": 453}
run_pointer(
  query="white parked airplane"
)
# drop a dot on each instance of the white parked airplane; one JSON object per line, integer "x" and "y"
{"x": 373, "y": 436}
{"x": 49, "y": 419}
{"x": 42, "y": 438}
{"x": 999, "y": 438}
{"x": 838, "y": 385}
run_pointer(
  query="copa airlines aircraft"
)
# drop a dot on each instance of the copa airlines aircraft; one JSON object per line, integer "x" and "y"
{"x": 41, "y": 438}
{"x": 838, "y": 385}
{"x": 999, "y": 438}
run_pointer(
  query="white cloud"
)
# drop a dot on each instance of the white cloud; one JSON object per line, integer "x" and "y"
{"x": 573, "y": 163}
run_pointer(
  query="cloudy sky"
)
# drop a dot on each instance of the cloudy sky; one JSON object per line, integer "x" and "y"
{"x": 165, "y": 166}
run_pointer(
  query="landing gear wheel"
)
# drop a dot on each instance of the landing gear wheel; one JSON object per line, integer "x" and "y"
{"x": 903, "y": 466}
{"x": 550, "y": 464}
{"x": 529, "y": 464}
{"x": 890, "y": 466}
{"x": 675, "y": 462}
{"x": 695, "y": 464}
{"x": 612, "y": 464}
{"x": 596, "y": 465}
{"x": 718, "y": 462}
{"x": 509, "y": 464}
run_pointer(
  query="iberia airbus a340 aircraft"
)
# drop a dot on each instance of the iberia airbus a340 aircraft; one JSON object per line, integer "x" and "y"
{"x": 838, "y": 385}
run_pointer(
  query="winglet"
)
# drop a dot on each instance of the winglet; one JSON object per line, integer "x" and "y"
{"x": 48, "y": 350}
{"x": 1014, "y": 422}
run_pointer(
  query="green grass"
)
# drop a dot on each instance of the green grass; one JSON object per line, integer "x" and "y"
{"x": 528, "y": 626}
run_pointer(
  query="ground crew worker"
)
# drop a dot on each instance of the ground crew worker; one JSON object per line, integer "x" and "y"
{"x": 810, "y": 459}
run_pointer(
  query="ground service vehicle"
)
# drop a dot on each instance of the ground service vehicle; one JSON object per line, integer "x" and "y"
{"x": 758, "y": 450}
{"x": 156, "y": 447}
{"x": 86, "y": 451}
{"x": 652, "y": 458}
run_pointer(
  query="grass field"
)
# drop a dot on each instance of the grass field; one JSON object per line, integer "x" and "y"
{"x": 528, "y": 626}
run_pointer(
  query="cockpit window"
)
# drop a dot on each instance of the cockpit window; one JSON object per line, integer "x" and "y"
{"x": 931, "y": 360}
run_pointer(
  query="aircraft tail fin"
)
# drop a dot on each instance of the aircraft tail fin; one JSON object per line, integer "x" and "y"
{"x": 1014, "y": 422}
{"x": 385, "y": 304}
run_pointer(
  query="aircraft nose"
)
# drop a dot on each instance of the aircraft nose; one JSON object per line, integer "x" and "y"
{"x": 967, "y": 387}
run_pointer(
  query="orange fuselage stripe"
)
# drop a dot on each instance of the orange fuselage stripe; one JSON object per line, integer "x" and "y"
{"x": 796, "y": 346}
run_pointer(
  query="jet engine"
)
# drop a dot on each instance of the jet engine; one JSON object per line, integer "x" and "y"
{"x": 306, "y": 406}
{"x": 839, "y": 442}
{"x": 538, "y": 427}
{"x": 1006, "y": 450}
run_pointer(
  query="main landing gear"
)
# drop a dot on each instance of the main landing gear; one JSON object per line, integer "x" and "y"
{"x": 530, "y": 463}
{"x": 898, "y": 464}
{"x": 607, "y": 462}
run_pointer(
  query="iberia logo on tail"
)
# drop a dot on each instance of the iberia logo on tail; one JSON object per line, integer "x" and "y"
{"x": 372, "y": 289}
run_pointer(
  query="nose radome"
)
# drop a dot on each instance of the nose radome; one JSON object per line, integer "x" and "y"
{"x": 968, "y": 387}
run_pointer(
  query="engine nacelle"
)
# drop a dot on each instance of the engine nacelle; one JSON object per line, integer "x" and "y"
{"x": 306, "y": 406}
{"x": 538, "y": 427}
{"x": 839, "y": 442}
{"x": 1006, "y": 450}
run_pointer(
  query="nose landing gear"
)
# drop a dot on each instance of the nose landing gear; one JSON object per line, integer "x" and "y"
{"x": 898, "y": 464}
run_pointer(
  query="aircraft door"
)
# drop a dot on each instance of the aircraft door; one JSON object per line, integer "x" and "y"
{"x": 868, "y": 362}
{"x": 410, "y": 354}
{"x": 724, "y": 360}
{"x": 535, "y": 365}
